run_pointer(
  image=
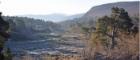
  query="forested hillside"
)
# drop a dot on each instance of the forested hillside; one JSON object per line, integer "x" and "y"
{"x": 23, "y": 28}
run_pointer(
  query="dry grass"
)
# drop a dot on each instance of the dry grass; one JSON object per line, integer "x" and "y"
{"x": 127, "y": 48}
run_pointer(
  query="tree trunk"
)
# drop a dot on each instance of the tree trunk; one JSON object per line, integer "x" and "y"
{"x": 113, "y": 38}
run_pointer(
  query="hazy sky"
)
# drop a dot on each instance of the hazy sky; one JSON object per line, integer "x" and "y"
{"x": 21, "y": 7}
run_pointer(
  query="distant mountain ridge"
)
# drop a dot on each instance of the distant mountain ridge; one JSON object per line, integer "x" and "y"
{"x": 56, "y": 17}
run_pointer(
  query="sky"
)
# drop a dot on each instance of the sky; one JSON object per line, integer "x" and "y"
{"x": 44, "y": 7}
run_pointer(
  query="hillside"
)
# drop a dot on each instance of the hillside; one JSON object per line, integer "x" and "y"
{"x": 89, "y": 18}
{"x": 23, "y": 28}
{"x": 101, "y": 10}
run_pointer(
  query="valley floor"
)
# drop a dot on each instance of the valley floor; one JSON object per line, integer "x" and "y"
{"x": 55, "y": 48}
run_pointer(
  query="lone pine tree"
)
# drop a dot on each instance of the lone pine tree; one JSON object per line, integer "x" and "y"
{"x": 109, "y": 26}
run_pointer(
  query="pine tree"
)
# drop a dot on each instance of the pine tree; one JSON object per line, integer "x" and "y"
{"x": 119, "y": 21}
{"x": 4, "y": 26}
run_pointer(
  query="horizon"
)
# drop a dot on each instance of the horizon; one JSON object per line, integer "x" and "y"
{"x": 67, "y": 7}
